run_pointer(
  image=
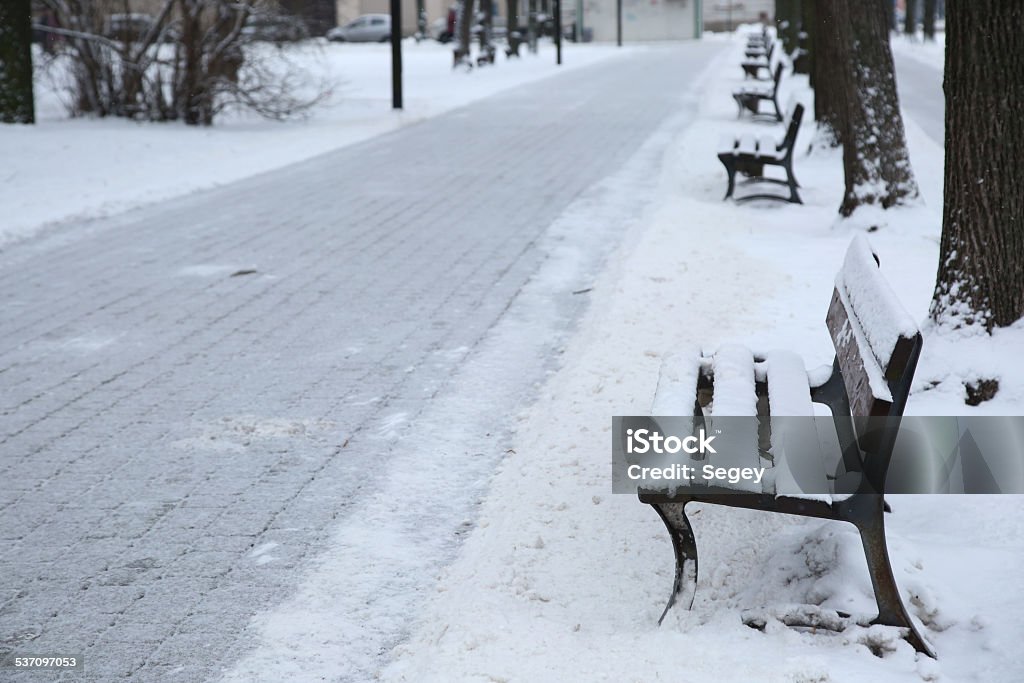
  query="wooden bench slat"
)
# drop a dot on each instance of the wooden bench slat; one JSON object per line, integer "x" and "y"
{"x": 865, "y": 384}
{"x": 735, "y": 399}
{"x": 733, "y": 367}
{"x": 880, "y": 315}
{"x": 677, "y": 383}
{"x": 726, "y": 144}
{"x": 747, "y": 144}
{"x": 788, "y": 391}
{"x": 798, "y": 470}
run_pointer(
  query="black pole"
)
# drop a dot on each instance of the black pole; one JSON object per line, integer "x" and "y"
{"x": 557, "y": 10}
{"x": 396, "y": 54}
{"x": 618, "y": 22}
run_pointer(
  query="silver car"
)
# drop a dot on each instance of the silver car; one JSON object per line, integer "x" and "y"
{"x": 369, "y": 28}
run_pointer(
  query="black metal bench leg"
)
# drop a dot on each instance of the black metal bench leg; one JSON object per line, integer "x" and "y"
{"x": 730, "y": 169}
{"x": 684, "y": 545}
{"x": 791, "y": 182}
{"x": 867, "y": 515}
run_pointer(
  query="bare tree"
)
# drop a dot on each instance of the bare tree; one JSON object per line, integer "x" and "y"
{"x": 867, "y": 115}
{"x": 980, "y": 278}
{"x": 17, "y": 104}
{"x": 515, "y": 38}
{"x": 189, "y": 62}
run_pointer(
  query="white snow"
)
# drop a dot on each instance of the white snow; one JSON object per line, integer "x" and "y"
{"x": 734, "y": 381}
{"x": 879, "y": 312}
{"x": 584, "y": 607}
{"x": 677, "y": 382}
{"x": 559, "y": 579}
{"x": 98, "y": 167}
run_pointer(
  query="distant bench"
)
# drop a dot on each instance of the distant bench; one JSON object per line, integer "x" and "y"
{"x": 757, "y": 60}
{"x": 877, "y": 346}
{"x": 749, "y": 97}
{"x": 749, "y": 154}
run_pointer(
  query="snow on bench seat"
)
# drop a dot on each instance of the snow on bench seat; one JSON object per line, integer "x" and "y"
{"x": 735, "y": 397}
{"x": 798, "y": 470}
{"x": 677, "y": 383}
{"x": 733, "y": 366}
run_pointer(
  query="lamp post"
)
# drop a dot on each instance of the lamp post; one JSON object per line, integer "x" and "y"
{"x": 618, "y": 22}
{"x": 556, "y": 6}
{"x": 396, "y": 54}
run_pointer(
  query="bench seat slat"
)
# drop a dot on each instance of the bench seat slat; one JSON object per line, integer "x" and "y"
{"x": 788, "y": 391}
{"x": 734, "y": 382}
{"x": 677, "y": 383}
{"x": 798, "y": 470}
{"x": 735, "y": 400}
{"x": 764, "y": 91}
{"x": 747, "y": 144}
{"x": 768, "y": 147}
{"x": 726, "y": 144}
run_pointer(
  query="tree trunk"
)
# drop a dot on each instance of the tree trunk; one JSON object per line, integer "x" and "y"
{"x": 909, "y": 23}
{"x": 787, "y": 19}
{"x": 463, "y": 26}
{"x": 928, "y": 20}
{"x": 875, "y": 158}
{"x": 981, "y": 256}
{"x": 829, "y": 72}
{"x": 512, "y": 24}
{"x": 804, "y": 40}
{"x": 16, "y": 101}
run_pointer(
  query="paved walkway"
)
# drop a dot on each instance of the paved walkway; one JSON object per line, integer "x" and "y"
{"x": 189, "y": 384}
{"x": 920, "y": 91}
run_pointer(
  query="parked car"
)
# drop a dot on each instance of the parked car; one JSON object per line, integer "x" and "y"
{"x": 277, "y": 28}
{"x": 369, "y": 28}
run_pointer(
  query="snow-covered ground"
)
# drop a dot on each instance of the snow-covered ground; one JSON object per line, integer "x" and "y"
{"x": 64, "y": 169}
{"x": 931, "y": 52}
{"x": 562, "y": 581}
{"x": 559, "y": 580}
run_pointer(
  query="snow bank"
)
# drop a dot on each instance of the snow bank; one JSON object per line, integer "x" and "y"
{"x": 98, "y": 167}
{"x": 562, "y": 581}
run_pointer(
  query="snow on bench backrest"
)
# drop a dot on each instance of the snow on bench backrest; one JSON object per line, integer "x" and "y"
{"x": 873, "y": 334}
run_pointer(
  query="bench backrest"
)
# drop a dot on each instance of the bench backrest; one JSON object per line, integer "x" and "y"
{"x": 877, "y": 346}
{"x": 794, "y": 115}
{"x": 777, "y": 77}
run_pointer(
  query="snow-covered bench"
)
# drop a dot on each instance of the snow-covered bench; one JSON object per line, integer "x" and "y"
{"x": 748, "y": 155}
{"x": 749, "y": 97}
{"x": 753, "y": 65}
{"x": 757, "y": 44}
{"x": 877, "y": 346}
